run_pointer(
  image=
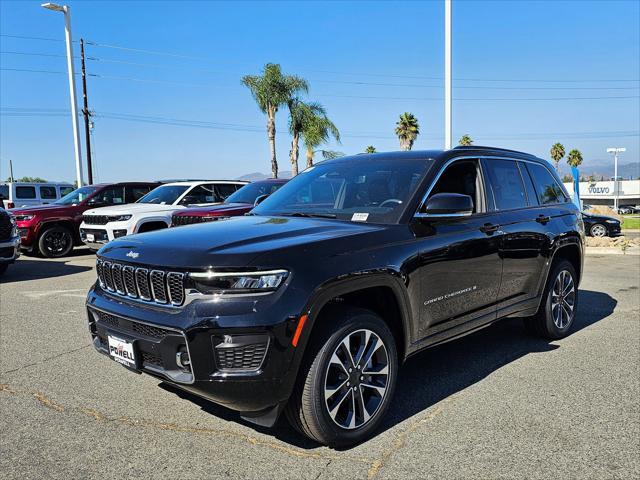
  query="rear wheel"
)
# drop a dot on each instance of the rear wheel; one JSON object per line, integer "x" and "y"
{"x": 598, "y": 230}
{"x": 347, "y": 379}
{"x": 557, "y": 310}
{"x": 56, "y": 242}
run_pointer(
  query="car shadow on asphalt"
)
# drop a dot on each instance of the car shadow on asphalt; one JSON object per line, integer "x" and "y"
{"x": 437, "y": 373}
{"x": 27, "y": 269}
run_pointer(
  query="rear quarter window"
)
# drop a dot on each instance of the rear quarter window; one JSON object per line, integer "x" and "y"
{"x": 48, "y": 193}
{"x": 547, "y": 188}
{"x": 25, "y": 192}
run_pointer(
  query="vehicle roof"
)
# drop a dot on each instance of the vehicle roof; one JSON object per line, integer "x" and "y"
{"x": 437, "y": 154}
{"x": 107, "y": 184}
{"x": 192, "y": 183}
{"x": 36, "y": 183}
{"x": 272, "y": 180}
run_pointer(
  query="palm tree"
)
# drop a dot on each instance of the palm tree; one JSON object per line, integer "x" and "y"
{"x": 465, "y": 141}
{"x": 300, "y": 113}
{"x": 557, "y": 152}
{"x": 407, "y": 130}
{"x": 370, "y": 149}
{"x": 574, "y": 158}
{"x": 317, "y": 131}
{"x": 271, "y": 90}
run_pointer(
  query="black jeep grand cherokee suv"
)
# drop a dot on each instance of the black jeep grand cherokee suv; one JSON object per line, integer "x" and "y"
{"x": 310, "y": 303}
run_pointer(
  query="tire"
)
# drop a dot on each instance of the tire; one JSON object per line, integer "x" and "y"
{"x": 323, "y": 371}
{"x": 3, "y": 268}
{"x": 556, "y": 313}
{"x": 599, "y": 230}
{"x": 55, "y": 242}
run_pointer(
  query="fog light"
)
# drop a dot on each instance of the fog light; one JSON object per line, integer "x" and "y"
{"x": 23, "y": 232}
{"x": 183, "y": 360}
{"x": 119, "y": 233}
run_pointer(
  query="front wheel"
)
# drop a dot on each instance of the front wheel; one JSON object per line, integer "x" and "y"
{"x": 557, "y": 310}
{"x": 56, "y": 242}
{"x": 598, "y": 230}
{"x": 347, "y": 379}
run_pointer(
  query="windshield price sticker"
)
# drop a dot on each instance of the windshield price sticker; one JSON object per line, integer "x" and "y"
{"x": 359, "y": 217}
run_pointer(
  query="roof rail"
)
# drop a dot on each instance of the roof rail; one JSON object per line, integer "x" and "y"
{"x": 481, "y": 147}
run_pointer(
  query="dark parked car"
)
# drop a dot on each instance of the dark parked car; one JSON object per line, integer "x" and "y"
{"x": 9, "y": 240}
{"x": 310, "y": 304}
{"x": 238, "y": 203}
{"x": 53, "y": 230}
{"x": 601, "y": 225}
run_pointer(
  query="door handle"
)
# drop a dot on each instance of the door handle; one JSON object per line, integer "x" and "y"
{"x": 489, "y": 228}
{"x": 543, "y": 219}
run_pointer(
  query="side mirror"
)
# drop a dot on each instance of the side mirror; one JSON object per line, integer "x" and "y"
{"x": 260, "y": 199}
{"x": 447, "y": 205}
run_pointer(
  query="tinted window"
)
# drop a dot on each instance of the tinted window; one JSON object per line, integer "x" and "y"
{"x": 109, "y": 196}
{"x": 164, "y": 195}
{"x": 48, "y": 193}
{"x": 350, "y": 189}
{"x": 506, "y": 183}
{"x": 460, "y": 177}
{"x": 547, "y": 188}
{"x": 66, "y": 191}
{"x": 249, "y": 193}
{"x": 528, "y": 184}
{"x": 135, "y": 193}
{"x": 25, "y": 192}
{"x": 226, "y": 189}
{"x": 4, "y": 192}
{"x": 76, "y": 196}
{"x": 200, "y": 194}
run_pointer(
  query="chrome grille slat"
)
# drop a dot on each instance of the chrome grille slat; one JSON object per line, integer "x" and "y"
{"x": 158, "y": 287}
{"x": 143, "y": 284}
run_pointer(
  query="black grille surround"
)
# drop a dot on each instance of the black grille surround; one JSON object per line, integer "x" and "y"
{"x": 6, "y": 227}
{"x": 95, "y": 219}
{"x": 141, "y": 283}
{"x": 180, "y": 220}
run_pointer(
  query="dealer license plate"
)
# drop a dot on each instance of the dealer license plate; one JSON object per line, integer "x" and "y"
{"x": 122, "y": 351}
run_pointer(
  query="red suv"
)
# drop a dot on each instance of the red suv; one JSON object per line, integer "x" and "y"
{"x": 52, "y": 230}
{"x": 236, "y": 204}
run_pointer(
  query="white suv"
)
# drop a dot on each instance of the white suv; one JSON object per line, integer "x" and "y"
{"x": 153, "y": 211}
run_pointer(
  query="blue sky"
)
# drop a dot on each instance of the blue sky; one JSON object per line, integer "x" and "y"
{"x": 367, "y": 62}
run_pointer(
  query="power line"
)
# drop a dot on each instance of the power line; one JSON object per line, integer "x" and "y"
{"x": 25, "y": 37}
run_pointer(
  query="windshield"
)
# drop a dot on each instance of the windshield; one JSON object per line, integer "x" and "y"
{"x": 375, "y": 190}
{"x": 164, "y": 195}
{"x": 249, "y": 193}
{"x": 77, "y": 196}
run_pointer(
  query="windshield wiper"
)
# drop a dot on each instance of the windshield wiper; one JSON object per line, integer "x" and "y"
{"x": 308, "y": 215}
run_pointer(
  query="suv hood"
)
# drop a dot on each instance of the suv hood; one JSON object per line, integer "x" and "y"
{"x": 133, "y": 208}
{"x": 218, "y": 210}
{"x": 234, "y": 242}
{"x": 34, "y": 210}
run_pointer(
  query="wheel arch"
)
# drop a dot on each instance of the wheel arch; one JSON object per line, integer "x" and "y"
{"x": 151, "y": 224}
{"x": 62, "y": 222}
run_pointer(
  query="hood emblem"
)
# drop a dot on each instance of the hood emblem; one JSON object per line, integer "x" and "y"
{"x": 133, "y": 254}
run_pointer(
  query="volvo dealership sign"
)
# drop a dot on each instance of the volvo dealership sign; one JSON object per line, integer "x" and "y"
{"x": 628, "y": 190}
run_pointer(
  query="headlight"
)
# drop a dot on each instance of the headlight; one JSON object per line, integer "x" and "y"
{"x": 23, "y": 218}
{"x": 119, "y": 218}
{"x": 238, "y": 282}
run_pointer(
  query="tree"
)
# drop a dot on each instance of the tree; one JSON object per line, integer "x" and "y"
{"x": 271, "y": 90}
{"x": 407, "y": 130}
{"x": 28, "y": 180}
{"x": 317, "y": 131}
{"x": 300, "y": 114}
{"x": 567, "y": 179}
{"x": 574, "y": 159}
{"x": 465, "y": 140}
{"x": 557, "y": 152}
{"x": 370, "y": 149}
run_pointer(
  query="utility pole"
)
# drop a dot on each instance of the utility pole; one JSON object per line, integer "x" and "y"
{"x": 11, "y": 171}
{"x": 85, "y": 112}
{"x": 448, "y": 141}
{"x": 615, "y": 151}
{"x": 72, "y": 84}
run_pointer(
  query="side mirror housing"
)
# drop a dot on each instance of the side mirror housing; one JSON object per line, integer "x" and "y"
{"x": 260, "y": 199}
{"x": 443, "y": 205}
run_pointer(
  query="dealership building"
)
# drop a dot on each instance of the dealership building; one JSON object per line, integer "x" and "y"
{"x": 603, "y": 193}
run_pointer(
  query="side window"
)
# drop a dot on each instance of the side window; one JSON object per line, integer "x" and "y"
{"x": 200, "y": 194}
{"x": 461, "y": 177}
{"x": 48, "y": 193}
{"x": 110, "y": 196}
{"x": 136, "y": 192}
{"x": 506, "y": 183}
{"x": 225, "y": 189}
{"x": 4, "y": 192}
{"x": 25, "y": 192}
{"x": 65, "y": 191}
{"x": 528, "y": 185}
{"x": 546, "y": 186}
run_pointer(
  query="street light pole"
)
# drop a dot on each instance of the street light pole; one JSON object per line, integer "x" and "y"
{"x": 615, "y": 151}
{"x": 447, "y": 76}
{"x": 72, "y": 85}
{"x": 85, "y": 112}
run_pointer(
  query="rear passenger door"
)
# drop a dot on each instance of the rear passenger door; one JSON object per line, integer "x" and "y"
{"x": 524, "y": 239}
{"x": 133, "y": 193}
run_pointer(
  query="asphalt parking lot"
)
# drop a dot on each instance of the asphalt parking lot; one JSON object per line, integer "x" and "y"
{"x": 494, "y": 404}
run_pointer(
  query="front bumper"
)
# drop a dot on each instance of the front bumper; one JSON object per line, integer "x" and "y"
{"x": 94, "y": 237}
{"x": 245, "y": 368}
{"x": 9, "y": 250}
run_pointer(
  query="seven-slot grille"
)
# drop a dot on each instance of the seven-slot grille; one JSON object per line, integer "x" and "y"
{"x": 179, "y": 220}
{"x": 95, "y": 219}
{"x": 150, "y": 285}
